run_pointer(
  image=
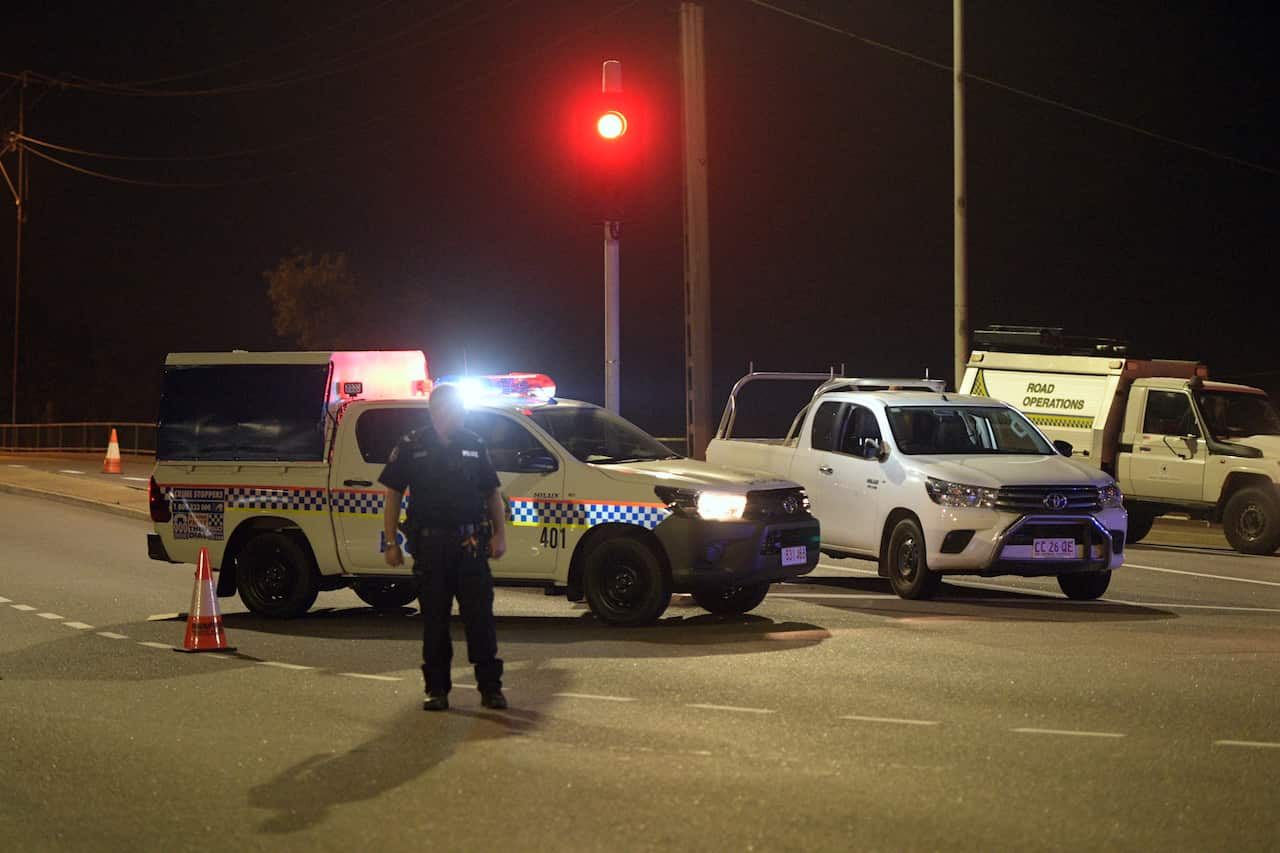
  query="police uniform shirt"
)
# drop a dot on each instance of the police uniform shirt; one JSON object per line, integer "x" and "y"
{"x": 448, "y": 483}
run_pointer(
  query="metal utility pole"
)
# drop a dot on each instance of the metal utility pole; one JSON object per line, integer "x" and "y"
{"x": 697, "y": 235}
{"x": 961, "y": 318}
{"x": 612, "y": 82}
{"x": 19, "y": 190}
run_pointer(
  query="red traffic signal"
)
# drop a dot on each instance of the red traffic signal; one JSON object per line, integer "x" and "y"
{"x": 611, "y": 124}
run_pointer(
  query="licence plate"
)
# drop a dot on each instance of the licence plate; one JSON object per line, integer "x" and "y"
{"x": 1053, "y": 549}
{"x": 795, "y": 556}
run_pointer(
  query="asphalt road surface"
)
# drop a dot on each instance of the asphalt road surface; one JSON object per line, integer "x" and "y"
{"x": 835, "y": 717}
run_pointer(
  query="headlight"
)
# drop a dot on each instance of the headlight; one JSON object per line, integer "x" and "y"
{"x": 958, "y": 494}
{"x": 718, "y": 506}
{"x": 1110, "y": 497}
{"x": 713, "y": 506}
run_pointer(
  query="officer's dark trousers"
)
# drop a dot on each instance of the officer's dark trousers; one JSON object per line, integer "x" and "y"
{"x": 445, "y": 570}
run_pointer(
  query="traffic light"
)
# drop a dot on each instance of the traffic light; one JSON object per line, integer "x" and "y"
{"x": 610, "y": 138}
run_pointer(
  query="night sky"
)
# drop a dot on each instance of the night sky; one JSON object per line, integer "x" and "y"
{"x": 427, "y": 141}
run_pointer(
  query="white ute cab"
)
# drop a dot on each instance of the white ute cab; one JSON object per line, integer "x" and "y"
{"x": 929, "y": 484}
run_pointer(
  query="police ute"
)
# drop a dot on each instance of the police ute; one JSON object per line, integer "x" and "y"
{"x": 271, "y": 462}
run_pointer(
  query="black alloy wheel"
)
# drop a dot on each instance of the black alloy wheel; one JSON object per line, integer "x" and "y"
{"x": 731, "y": 600}
{"x": 1084, "y": 586}
{"x": 276, "y": 576}
{"x": 909, "y": 572}
{"x": 625, "y": 583}
{"x": 386, "y": 595}
{"x": 1251, "y": 521}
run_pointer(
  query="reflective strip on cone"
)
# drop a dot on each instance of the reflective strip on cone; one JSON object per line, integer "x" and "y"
{"x": 204, "y": 621}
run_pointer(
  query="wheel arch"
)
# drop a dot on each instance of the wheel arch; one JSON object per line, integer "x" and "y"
{"x": 245, "y": 531}
{"x": 598, "y": 535}
{"x": 891, "y": 521}
{"x": 1236, "y": 482}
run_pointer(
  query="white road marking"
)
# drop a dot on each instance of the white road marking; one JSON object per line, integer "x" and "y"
{"x": 69, "y": 471}
{"x": 112, "y": 635}
{"x": 151, "y": 645}
{"x": 23, "y": 607}
{"x": 371, "y": 677}
{"x": 1200, "y": 575}
{"x": 890, "y": 720}
{"x": 1195, "y": 606}
{"x": 51, "y": 616}
{"x": 594, "y": 696}
{"x": 79, "y": 626}
{"x": 865, "y": 572}
{"x": 12, "y": 465}
{"x": 731, "y": 708}
{"x": 281, "y": 665}
{"x": 1069, "y": 732}
{"x": 4, "y": 600}
{"x": 1256, "y": 744}
{"x": 138, "y": 479}
{"x": 163, "y": 617}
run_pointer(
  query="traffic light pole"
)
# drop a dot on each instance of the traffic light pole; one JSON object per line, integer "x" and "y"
{"x": 611, "y": 81}
{"x": 612, "y": 362}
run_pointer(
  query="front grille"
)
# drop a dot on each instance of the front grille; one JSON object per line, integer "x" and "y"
{"x": 773, "y": 505}
{"x": 1036, "y": 498}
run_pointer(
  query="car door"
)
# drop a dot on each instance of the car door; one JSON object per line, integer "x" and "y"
{"x": 826, "y": 474}
{"x": 356, "y": 498}
{"x": 1170, "y": 454}
{"x": 529, "y": 471}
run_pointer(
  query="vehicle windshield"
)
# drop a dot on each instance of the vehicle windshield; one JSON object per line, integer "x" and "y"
{"x": 1231, "y": 414}
{"x": 964, "y": 429}
{"x": 598, "y": 436}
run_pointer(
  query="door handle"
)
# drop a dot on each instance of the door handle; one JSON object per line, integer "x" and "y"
{"x": 357, "y": 482}
{"x": 1144, "y": 449}
{"x": 826, "y": 469}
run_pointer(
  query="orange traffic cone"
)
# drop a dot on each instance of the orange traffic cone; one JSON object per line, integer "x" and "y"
{"x": 204, "y": 622}
{"x": 111, "y": 465}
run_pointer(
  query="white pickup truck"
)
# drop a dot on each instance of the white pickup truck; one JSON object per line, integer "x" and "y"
{"x": 270, "y": 461}
{"x": 930, "y": 483}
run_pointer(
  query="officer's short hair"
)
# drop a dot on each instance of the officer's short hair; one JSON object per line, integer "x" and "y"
{"x": 446, "y": 394}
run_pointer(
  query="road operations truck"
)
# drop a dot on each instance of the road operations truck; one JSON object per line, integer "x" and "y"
{"x": 929, "y": 484}
{"x": 271, "y": 462}
{"x": 1175, "y": 441}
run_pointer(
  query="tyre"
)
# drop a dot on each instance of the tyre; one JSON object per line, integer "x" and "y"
{"x": 624, "y": 582}
{"x": 1140, "y": 521}
{"x": 1251, "y": 521}
{"x": 1084, "y": 586}
{"x": 909, "y": 572}
{"x": 386, "y": 595}
{"x": 276, "y": 576}
{"x": 731, "y": 600}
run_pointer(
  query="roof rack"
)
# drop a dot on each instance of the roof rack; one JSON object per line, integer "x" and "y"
{"x": 1045, "y": 339}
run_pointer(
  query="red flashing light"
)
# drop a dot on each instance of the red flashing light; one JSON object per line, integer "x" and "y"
{"x": 611, "y": 125}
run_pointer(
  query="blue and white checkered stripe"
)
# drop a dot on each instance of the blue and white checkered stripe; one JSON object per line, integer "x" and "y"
{"x": 362, "y": 503}
{"x": 288, "y": 500}
{"x": 528, "y": 512}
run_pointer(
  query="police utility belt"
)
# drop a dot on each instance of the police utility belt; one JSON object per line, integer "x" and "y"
{"x": 456, "y": 531}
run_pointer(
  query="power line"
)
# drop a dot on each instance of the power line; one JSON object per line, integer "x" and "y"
{"x": 162, "y": 158}
{"x": 1133, "y": 128}
{"x": 366, "y": 124}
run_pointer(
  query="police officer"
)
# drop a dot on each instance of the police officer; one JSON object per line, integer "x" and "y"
{"x": 455, "y": 523}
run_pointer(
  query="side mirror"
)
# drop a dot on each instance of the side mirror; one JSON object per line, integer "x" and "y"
{"x": 1063, "y": 447}
{"x": 874, "y": 448}
{"x": 536, "y": 460}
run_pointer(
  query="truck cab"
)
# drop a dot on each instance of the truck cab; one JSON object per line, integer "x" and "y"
{"x": 596, "y": 508}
